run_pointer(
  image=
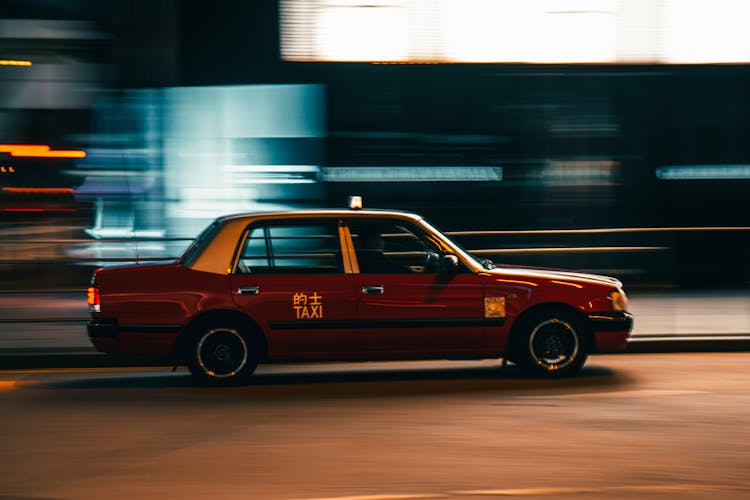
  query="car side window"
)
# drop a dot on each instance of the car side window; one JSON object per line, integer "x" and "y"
{"x": 392, "y": 248}
{"x": 310, "y": 248}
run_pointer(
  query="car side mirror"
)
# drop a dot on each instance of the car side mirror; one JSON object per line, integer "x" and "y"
{"x": 449, "y": 264}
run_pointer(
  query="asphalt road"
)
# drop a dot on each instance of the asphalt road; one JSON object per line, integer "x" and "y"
{"x": 641, "y": 425}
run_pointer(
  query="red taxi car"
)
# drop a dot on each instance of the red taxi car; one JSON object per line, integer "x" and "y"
{"x": 348, "y": 285}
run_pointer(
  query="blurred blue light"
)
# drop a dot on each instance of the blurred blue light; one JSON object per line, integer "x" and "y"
{"x": 703, "y": 172}
{"x": 412, "y": 174}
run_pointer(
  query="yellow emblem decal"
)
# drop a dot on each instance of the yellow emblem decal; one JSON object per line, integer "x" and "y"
{"x": 494, "y": 307}
{"x": 308, "y": 306}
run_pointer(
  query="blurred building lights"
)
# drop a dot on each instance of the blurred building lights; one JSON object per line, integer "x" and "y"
{"x": 189, "y": 154}
{"x": 351, "y": 33}
{"x": 250, "y": 136}
{"x": 516, "y": 31}
{"x": 273, "y": 174}
{"x": 700, "y": 31}
{"x": 582, "y": 172}
{"x": 528, "y": 31}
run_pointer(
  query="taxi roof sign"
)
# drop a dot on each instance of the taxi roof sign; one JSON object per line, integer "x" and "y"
{"x": 355, "y": 202}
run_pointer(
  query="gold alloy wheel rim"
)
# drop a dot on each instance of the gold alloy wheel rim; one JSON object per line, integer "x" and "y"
{"x": 221, "y": 352}
{"x": 554, "y": 343}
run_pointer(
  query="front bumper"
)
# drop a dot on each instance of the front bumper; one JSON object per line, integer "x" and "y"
{"x": 611, "y": 321}
{"x": 611, "y": 330}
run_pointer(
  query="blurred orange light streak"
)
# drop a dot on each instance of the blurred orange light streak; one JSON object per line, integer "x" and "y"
{"x": 14, "y": 62}
{"x": 6, "y": 385}
{"x": 37, "y": 190}
{"x": 40, "y": 151}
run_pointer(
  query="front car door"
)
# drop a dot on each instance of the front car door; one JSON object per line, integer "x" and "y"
{"x": 408, "y": 305}
{"x": 291, "y": 277}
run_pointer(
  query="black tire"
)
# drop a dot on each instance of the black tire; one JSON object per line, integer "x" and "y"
{"x": 552, "y": 343}
{"x": 222, "y": 353}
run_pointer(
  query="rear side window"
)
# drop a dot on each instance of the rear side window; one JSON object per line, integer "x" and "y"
{"x": 291, "y": 249}
{"x": 194, "y": 250}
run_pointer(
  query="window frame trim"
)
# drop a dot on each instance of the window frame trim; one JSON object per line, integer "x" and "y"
{"x": 351, "y": 264}
{"x": 265, "y": 224}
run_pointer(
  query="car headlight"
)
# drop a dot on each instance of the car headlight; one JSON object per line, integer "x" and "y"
{"x": 619, "y": 300}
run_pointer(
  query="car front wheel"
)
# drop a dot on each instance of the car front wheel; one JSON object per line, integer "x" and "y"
{"x": 222, "y": 354}
{"x": 553, "y": 343}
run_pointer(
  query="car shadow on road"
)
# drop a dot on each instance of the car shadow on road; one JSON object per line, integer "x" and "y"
{"x": 365, "y": 380}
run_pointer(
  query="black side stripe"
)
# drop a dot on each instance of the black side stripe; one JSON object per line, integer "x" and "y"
{"x": 149, "y": 328}
{"x": 385, "y": 323}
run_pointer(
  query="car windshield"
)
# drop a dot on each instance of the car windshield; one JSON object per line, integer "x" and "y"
{"x": 484, "y": 263}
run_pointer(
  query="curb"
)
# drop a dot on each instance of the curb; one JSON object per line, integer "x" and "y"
{"x": 688, "y": 343}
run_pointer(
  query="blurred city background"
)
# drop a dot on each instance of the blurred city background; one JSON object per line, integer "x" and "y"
{"x": 610, "y": 136}
{"x": 607, "y": 136}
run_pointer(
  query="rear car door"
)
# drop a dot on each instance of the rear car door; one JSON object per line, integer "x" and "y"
{"x": 290, "y": 276}
{"x": 408, "y": 305}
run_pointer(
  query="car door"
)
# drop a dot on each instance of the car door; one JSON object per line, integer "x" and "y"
{"x": 291, "y": 277}
{"x": 408, "y": 306}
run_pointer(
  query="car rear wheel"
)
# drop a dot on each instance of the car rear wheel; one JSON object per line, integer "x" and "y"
{"x": 222, "y": 354}
{"x": 553, "y": 343}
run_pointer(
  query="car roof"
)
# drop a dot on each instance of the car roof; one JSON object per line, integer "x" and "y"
{"x": 319, "y": 213}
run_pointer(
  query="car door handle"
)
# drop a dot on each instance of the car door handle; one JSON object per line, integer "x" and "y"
{"x": 248, "y": 290}
{"x": 372, "y": 289}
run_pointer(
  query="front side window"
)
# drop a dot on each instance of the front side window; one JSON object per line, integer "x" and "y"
{"x": 286, "y": 248}
{"x": 384, "y": 247}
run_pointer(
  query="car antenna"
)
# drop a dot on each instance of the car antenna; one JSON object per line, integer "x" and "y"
{"x": 132, "y": 221}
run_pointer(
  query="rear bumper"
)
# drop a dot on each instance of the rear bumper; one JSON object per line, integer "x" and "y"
{"x": 102, "y": 328}
{"x": 611, "y": 330}
{"x": 107, "y": 335}
{"x": 103, "y": 335}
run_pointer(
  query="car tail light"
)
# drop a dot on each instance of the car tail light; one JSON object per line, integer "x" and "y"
{"x": 94, "y": 299}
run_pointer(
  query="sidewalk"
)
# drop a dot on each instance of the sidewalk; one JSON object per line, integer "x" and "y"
{"x": 679, "y": 320}
{"x": 665, "y": 321}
